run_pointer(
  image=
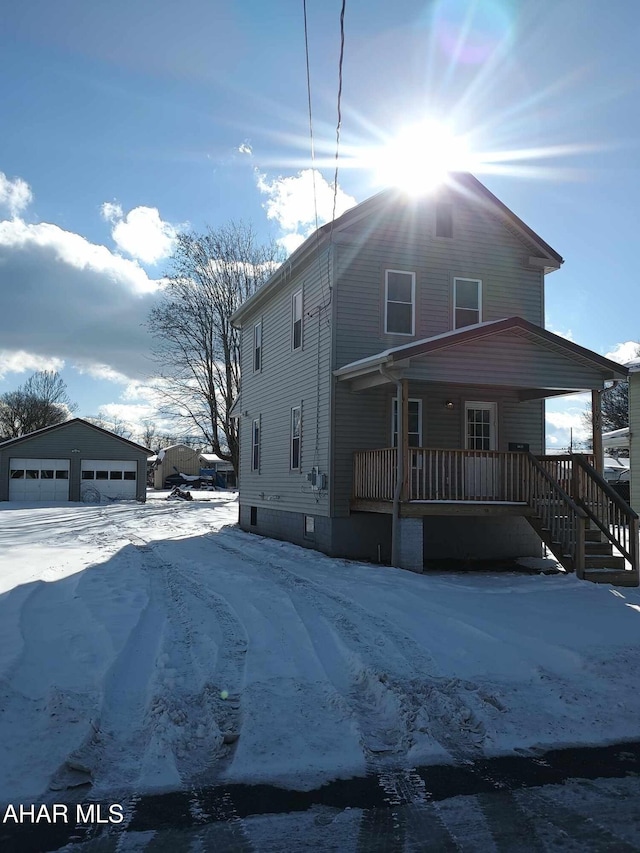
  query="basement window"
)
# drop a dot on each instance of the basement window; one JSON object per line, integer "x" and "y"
{"x": 253, "y": 516}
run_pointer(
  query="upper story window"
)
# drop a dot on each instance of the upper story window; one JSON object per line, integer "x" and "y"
{"x": 399, "y": 302}
{"x": 255, "y": 445}
{"x": 467, "y": 302}
{"x": 415, "y": 423}
{"x": 444, "y": 219}
{"x": 296, "y": 320}
{"x": 296, "y": 429}
{"x": 257, "y": 347}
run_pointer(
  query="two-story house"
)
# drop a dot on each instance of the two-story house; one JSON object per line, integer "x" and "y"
{"x": 394, "y": 372}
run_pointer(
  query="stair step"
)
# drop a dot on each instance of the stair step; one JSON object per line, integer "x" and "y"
{"x": 603, "y": 561}
{"x": 598, "y": 548}
{"x": 593, "y": 535}
{"x": 612, "y": 576}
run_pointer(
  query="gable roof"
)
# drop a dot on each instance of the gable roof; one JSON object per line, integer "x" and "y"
{"x": 463, "y": 183}
{"x": 10, "y": 442}
{"x": 396, "y": 356}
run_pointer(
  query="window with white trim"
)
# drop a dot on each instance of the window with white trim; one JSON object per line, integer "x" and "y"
{"x": 296, "y": 430}
{"x": 467, "y": 302}
{"x": 399, "y": 302}
{"x": 415, "y": 423}
{"x": 296, "y": 320}
{"x": 257, "y": 347}
{"x": 255, "y": 445}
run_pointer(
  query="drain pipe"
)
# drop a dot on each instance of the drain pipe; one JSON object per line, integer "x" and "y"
{"x": 395, "y": 516}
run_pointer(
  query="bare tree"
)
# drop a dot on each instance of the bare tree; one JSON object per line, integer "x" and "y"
{"x": 198, "y": 350}
{"x": 148, "y": 435}
{"x": 615, "y": 407}
{"x": 113, "y": 423}
{"x": 41, "y": 402}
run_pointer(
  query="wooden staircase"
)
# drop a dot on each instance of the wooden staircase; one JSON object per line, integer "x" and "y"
{"x": 588, "y": 527}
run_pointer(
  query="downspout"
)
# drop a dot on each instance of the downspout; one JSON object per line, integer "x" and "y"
{"x": 395, "y": 515}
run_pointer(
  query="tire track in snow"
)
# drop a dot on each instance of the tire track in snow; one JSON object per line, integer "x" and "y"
{"x": 378, "y": 703}
{"x": 112, "y": 754}
{"x": 196, "y": 727}
{"x": 200, "y": 722}
{"x": 451, "y": 721}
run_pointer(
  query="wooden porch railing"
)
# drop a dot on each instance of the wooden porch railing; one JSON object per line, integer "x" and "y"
{"x": 559, "y": 521}
{"x": 606, "y": 508}
{"x": 447, "y": 475}
{"x": 374, "y": 474}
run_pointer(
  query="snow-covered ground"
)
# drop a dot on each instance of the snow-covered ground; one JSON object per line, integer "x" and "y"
{"x": 158, "y": 647}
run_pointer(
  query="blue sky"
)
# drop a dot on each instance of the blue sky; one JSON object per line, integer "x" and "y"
{"x": 123, "y": 122}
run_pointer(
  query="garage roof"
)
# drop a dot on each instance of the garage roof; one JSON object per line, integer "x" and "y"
{"x": 12, "y": 441}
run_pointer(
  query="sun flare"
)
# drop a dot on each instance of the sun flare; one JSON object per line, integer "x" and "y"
{"x": 421, "y": 156}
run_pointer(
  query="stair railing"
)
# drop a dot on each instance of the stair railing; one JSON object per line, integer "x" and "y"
{"x": 611, "y": 513}
{"x": 561, "y": 522}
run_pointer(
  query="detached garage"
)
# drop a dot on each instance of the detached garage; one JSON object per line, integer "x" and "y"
{"x": 72, "y": 461}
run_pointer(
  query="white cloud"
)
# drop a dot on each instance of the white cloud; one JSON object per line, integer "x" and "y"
{"x": 20, "y": 361}
{"x": 290, "y": 202}
{"x": 567, "y": 426}
{"x": 15, "y": 195}
{"x": 567, "y": 334}
{"x": 140, "y": 233}
{"x": 72, "y": 300}
{"x": 111, "y": 211}
{"x": 245, "y": 148}
{"x": 624, "y": 352}
{"x": 102, "y": 371}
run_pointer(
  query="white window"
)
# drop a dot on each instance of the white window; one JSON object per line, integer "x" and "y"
{"x": 480, "y": 426}
{"x": 296, "y": 424}
{"x": 255, "y": 445}
{"x": 309, "y": 525}
{"x": 296, "y": 320}
{"x": 399, "y": 302}
{"x": 415, "y": 423}
{"x": 467, "y": 302}
{"x": 257, "y": 347}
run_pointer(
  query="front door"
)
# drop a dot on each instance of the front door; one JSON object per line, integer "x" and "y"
{"x": 481, "y": 469}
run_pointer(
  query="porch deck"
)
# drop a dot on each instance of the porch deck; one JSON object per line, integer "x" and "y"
{"x": 560, "y": 496}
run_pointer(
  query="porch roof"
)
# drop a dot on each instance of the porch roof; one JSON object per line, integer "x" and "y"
{"x": 511, "y": 353}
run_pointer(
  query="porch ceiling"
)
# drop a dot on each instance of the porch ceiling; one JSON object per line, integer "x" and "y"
{"x": 510, "y": 353}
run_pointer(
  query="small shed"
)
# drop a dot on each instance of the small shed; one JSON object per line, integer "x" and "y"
{"x": 72, "y": 461}
{"x": 176, "y": 459}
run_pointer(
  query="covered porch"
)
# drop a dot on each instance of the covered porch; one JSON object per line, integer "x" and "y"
{"x": 489, "y": 470}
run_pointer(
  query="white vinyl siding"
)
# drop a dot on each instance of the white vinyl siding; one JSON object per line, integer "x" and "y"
{"x": 296, "y": 320}
{"x": 467, "y": 302}
{"x": 296, "y": 434}
{"x": 257, "y": 347}
{"x": 444, "y": 219}
{"x": 399, "y": 302}
{"x": 255, "y": 445}
{"x": 415, "y": 423}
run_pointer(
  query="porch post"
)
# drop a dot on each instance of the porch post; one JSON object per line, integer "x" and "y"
{"x": 596, "y": 428}
{"x": 403, "y": 444}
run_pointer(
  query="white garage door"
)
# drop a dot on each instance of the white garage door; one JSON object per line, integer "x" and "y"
{"x": 111, "y": 478}
{"x": 38, "y": 479}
